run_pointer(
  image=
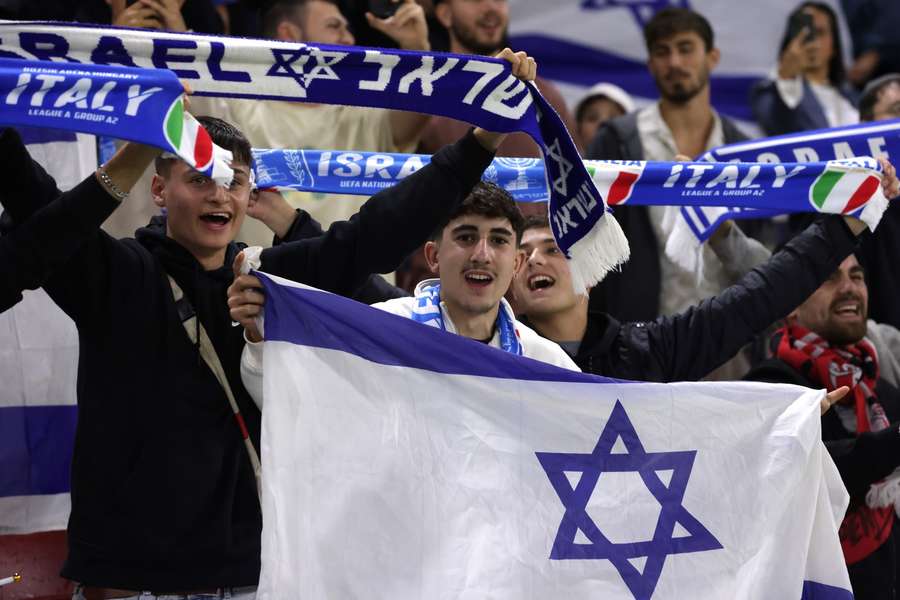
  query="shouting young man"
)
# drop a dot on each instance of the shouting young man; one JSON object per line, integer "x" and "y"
{"x": 688, "y": 345}
{"x": 475, "y": 254}
{"x": 164, "y": 493}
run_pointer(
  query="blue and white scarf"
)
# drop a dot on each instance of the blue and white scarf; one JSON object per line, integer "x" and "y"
{"x": 697, "y": 223}
{"x": 427, "y": 310}
{"x": 702, "y": 194}
{"x": 141, "y": 105}
{"x": 478, "y": 90}
{"x": 753, "y": 187}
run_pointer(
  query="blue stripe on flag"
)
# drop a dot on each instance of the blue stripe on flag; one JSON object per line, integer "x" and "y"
{"x": 36, "y": 449}
{"x": 577, "y": 64}
{"x": 820, "y": 591}
{"x": 348, "y": 326}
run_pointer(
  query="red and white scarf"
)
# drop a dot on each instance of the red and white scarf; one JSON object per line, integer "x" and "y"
{"x": 864, "y": 528}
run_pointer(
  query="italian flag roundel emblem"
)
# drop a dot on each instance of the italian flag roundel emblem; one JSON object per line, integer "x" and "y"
{"x": 189, "y": 139}
{"x": 839, "y": 190}
{"x": 615, "y": 181}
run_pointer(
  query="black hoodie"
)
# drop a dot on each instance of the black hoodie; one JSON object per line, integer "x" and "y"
{"x": 163, "y": 494}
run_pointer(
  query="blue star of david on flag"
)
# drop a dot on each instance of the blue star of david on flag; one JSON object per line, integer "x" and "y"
{"x": 647, "y": 465}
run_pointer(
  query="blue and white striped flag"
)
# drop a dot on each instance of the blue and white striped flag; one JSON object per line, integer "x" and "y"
{"x": 400, "y": 461}
{"x": 38, "y": 362}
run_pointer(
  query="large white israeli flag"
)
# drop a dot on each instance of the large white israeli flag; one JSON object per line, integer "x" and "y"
{"x": 402, "y": 462}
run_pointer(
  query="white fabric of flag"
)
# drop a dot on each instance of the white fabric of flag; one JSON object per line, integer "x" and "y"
{"x": 400, "y": 461}
{"x": 38, "y": 366}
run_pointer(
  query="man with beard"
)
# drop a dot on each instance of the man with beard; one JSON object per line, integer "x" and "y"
{"x": 480, "y": 27}
{"x": 823, "y": 343}
{"x": 681, "y": 55}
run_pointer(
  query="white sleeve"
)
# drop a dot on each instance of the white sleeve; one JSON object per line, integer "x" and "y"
{"x": 790, "y": 90}
{"x": 252, "y": 370}
{"x": 402, "y": 307}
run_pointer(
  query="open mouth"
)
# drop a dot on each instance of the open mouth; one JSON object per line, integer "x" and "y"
{"x": 540, "y": 282}
{"x": 216, "y": 219}
{"x": 490, "y": 24}
{"x": 848, "y": 309}
{"x": 479, "y": 278}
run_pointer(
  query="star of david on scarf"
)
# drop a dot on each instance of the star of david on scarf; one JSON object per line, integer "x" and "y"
{"x": 647, "y": 465}
{"x": 292, "y": 63}
{"x": 554, "y": 152}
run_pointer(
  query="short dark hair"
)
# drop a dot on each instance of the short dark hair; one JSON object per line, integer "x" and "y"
{"x": 487, "y": 200}
{"x": 871, "y": 92}
{"x": 836, "y": 64}
{"x": 224, "y": 135}
{"x": 536, "y": 222}
{"x": 284, "y": 10}
{"x": 671, "y": 21}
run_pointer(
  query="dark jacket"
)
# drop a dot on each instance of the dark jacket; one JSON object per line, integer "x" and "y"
{"x": 632, "y": 294}
{"x": 879, "y": 253}
{"x": 777, "y": 118}
{"x": 862, "y": 459}
{"x": 375, "y": 289}
{"x": 30, "y": 253}
{"x": 163, "y": 494}
{"x": 689, "y": 345}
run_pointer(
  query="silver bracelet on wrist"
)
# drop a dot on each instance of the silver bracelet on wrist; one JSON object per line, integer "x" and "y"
{"x": 111, "y": 187}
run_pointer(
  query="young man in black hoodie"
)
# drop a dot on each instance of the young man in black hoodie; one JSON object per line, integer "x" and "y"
{"x": 164, "y": 496}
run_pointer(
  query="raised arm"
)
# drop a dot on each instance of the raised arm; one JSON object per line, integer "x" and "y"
{"x": 22, "y": 174}
{"x": 398, "y": 219}
{"x": 47, "y": 240}
{"x": 292, "y": 225}
{"x": 66, "y": 230}
{"x": 689, "y": 345}
{"x": 389, "y": 225}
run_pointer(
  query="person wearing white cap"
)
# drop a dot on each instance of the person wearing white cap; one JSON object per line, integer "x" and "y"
{"x": 602, "y": 102}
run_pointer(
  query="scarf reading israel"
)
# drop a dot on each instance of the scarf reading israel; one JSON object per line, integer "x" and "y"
{"x": 478, "y": 90}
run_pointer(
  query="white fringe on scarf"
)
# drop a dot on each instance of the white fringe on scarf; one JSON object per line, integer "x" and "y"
{"x": 885, "y": 493}
{"x": 603, "y": 249}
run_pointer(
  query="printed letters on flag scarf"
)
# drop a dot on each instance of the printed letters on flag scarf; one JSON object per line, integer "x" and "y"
{"x": 141, "y": 105}
{"x": 844, "y": 186}
{"x": 478, "y": 90}
{"x": 877, "y": 139}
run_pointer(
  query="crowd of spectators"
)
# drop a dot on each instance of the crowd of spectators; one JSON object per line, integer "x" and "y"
{"x": 824, "y": 303}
